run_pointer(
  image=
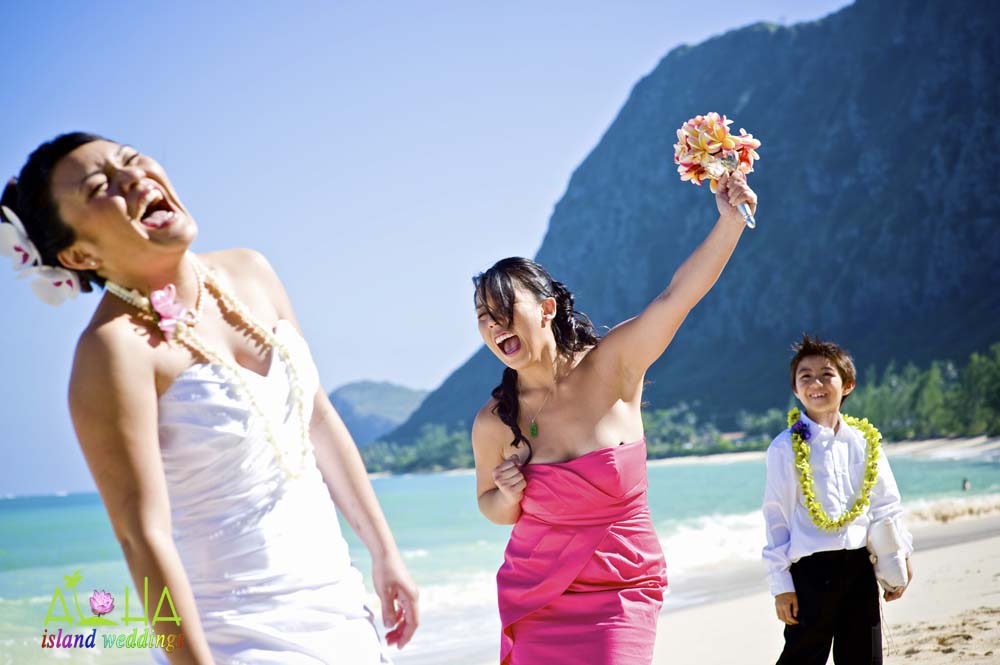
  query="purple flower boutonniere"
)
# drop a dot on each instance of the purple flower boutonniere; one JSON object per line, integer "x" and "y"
{"x": 801, "y": 429}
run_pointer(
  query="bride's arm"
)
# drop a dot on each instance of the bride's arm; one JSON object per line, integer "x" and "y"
{"x": 347, "y": 480}
{"x": 344, "y": 472}
{"x": 113, "y": 403}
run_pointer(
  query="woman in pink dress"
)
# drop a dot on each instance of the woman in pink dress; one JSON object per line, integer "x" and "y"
{"x": 560, "y": 454}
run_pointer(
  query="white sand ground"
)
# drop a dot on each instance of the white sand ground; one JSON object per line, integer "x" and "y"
{"x": 950, "y": 613}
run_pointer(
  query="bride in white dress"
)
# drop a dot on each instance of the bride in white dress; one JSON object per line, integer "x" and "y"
{"x": 200, "y": 413}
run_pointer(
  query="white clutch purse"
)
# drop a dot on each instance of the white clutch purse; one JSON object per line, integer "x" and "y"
{"x": 888, "y": 555}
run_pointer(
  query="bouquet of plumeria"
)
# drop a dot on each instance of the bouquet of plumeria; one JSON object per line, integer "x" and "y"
{"x": 706, "y": 149}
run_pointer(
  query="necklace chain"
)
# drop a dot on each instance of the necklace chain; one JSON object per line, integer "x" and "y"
{"x": 533, "y": 424}
{"x": 199, "y": 301}
{"x": 135, "y": 298}
{"x": 533, "y": 427}
{"x": 186, "y": 335}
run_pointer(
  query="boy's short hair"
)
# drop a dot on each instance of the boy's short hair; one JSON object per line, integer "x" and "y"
{"x": 838, "y": 356}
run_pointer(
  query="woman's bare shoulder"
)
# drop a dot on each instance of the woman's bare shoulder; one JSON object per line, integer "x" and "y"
{"x": 251, "y": 277}
{"x": 113, "y": 354}
{"x": 490, "y": 437}
{"x": 239, "y": 264}
{"x": 487, "y": 426}
{"x": 236, "y": 259}
{"x": 112, "y": 334}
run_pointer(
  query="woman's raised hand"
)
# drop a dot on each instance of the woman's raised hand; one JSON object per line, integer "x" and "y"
{"x": 732, "y": 190}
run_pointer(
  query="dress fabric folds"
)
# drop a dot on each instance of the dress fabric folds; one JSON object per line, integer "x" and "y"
{"x": 263, "y": 552}
{"x": 584, "y": 575}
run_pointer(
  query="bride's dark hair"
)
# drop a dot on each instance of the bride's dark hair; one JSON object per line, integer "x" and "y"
{"x": 573, "y": 330}
{"x": 30, "y": 197}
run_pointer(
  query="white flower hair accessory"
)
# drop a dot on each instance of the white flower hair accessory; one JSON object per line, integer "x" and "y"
{"x": 51, "y": 285}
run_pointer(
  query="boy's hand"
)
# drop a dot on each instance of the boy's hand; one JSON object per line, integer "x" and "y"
{"x": 786, "y": 605}
{"x": 898, "y": 593}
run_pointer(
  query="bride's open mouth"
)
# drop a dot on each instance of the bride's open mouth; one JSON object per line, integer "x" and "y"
{"x": 153, "y": 211}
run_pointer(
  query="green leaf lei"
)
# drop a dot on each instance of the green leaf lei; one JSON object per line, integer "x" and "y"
{"x": 801, "y": 448}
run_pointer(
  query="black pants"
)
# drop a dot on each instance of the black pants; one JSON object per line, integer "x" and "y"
{"x": 838, "y": 603}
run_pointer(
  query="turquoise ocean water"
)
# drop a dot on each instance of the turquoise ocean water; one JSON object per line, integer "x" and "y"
{"x": 707, "y": 515}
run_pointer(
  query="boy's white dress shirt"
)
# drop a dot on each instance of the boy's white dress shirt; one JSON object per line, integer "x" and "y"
{"x": 838, "y": 466}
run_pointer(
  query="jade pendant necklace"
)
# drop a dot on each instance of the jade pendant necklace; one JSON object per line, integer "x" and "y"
{"x": 533, "y": 427}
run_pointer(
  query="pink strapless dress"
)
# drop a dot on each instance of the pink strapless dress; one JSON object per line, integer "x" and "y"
{"x": 583, "y": 574}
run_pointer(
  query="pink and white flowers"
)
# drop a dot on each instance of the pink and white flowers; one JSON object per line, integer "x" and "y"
{"x": 169, "y": 312}
{"x": 704, "y": 141}
{"x": 14, "y": 242}
{"x": 51, "y": 284}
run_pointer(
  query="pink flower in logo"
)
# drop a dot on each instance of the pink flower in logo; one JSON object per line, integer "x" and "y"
{"x": 101, "y": 602}
{"x": 170, "y": 312}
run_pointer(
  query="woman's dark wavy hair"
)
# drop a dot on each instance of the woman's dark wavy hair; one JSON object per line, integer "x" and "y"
{"x": 30, "y": 197}
{"x": 573, "y": 330}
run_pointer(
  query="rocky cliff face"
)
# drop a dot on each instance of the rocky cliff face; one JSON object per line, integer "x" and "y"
{"x": 879, "y": 204}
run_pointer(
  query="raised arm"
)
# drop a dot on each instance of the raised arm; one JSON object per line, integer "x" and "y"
{"x": 345, "y": 476}
{"x": 636, "y": 343}
{"x": 113, "y": 403}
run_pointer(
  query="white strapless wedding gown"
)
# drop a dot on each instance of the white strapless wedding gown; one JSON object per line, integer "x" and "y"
{"x": 264, "y": 554}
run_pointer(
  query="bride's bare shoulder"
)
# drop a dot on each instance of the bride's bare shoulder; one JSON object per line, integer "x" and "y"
{"x": 240, "y": 264}
{"x": 250, "y": 276}
{"x": 112, "y": 344}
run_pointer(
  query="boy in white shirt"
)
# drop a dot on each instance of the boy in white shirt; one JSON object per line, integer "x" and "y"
{"x": 817, "y": 516}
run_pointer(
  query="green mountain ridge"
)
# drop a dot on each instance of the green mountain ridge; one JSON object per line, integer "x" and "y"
{"x": 373, "y": 408}
{"x": 877, "y": 224}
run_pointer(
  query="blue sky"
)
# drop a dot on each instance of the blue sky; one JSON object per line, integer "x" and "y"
{"x": 379, "y": 154}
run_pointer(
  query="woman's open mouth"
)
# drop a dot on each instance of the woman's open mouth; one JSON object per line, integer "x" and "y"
{"x": 153, "y": 210}
{"x": 508, "y": 343}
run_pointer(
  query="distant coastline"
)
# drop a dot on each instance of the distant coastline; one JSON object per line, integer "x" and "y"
{"x": 957, "y": 448}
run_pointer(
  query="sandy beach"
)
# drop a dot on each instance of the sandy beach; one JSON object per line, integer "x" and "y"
{"x": 950, "y": 614}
